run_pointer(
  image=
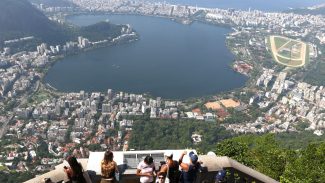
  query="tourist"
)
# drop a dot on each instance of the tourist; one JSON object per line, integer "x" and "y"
{"x": 169, "y": 172}
{"x": 75, "y": 171}
{"x": 146, "y": 170}
{"x": 189, "y": 170}
{"x": 108, "y": 168}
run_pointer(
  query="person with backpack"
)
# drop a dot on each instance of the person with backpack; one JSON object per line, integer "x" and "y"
{"x": 169, "y": 172}
{"x": 108, "y": 168}
{"x": 189, "y": 170}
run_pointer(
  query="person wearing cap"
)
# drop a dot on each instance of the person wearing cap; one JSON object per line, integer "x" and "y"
{"x": 169, "y": 172}
{"x": 189, "y": 170}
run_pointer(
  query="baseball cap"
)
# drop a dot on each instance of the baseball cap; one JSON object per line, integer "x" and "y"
{"x": 193, "y": 157}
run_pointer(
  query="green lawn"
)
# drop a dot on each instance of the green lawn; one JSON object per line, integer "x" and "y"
{"x": 280, "y": 42}
{"x": 40, "y": 96}
{"x": 289, "y": 62}
{"x": 286, "y": 51}
{"x": 290, "y": 44}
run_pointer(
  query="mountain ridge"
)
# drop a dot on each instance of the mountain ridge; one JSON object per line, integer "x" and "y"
{"x": 20, "y": 18}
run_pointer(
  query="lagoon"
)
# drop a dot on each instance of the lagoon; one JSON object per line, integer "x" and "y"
{"x": 169, "y": 60}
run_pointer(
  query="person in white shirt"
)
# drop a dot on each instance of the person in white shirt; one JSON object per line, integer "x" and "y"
{"x": 146, "y": 170}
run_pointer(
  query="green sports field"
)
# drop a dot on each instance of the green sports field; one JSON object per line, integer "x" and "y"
{"x": 288, "y": 52}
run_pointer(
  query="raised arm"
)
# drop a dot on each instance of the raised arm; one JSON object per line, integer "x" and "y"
{"x": 163, "y": 170}
{"x": 183, "y": 166}
{"x": 181, "y": 158}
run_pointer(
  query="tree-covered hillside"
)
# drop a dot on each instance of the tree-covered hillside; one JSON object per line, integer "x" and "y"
{"x": 19, "y": 18}
{"x": 289, "y": 157}
{"x": 175, "y": 134}
{"x": 269, "y": 155}
{"x": 100, "y": 31}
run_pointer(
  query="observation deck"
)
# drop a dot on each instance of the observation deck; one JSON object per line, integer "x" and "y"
{"x": 127, "y": 162}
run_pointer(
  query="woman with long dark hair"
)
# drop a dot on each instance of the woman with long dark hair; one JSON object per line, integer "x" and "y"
{"x": 108, "y": 168}
{"x": 75, "y": 171}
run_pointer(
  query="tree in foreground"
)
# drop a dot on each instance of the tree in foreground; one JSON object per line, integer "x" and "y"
{"x": 309, "y": 167}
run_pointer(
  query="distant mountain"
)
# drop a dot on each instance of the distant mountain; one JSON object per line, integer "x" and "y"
{"x": 55, "y": 3}
{"x": 316, "y": 10}
{"x": 20, "y": 18}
